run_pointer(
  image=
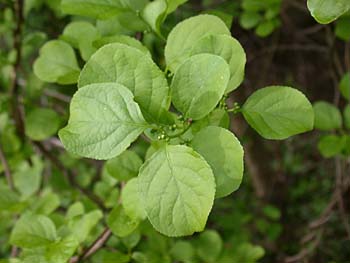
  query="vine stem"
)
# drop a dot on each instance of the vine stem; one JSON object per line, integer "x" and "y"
{"x": 6, "y": 169}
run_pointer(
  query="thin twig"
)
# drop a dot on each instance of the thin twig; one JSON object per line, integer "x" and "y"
{"x": 94, "y": 247}
{"x": 15, "y": 87}
{"x": 6, "y": 169}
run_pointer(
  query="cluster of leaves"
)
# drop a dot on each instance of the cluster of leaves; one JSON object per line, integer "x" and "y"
{"x": 182, "y": 156}
{"x": 329, "y": 119}
{"x": 261, "y": 15}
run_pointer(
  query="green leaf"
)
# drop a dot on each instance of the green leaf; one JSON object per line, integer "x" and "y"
{"x": 330, "y": 145}
{"x": 342, "y": 29}
{"x": 229, "y": 49}
{"x": 125, "y": 166}
{"x": 9, "y": 200}
{"x": 74, "y": 210}
{"x": 326, "y": 11}
{"x": 57, "y": 63}
{"x": 186, "y": 33}
{"x": 182, "y": 251}
{"x": 199, "y": 84}
{"x": 346, "y": 114}
{"x": 32, "y": 231}
{"x": 133, "y": 69}
{"x": 81, "y": 35}
{"x": 177, "y": 189}
{"x": 100, "y": 9}
{"x": 131, "y": 200}
{"x": 248, "y": 20}
{"x": 46, "y": 204}
{"x": 344, "y": 86}
{"x": 27, "y": 178}
{"x": 265, "y": 28}
{"x": 278, "y": 112}
{"x": 174, "y": 4}
{"x": 327, "y": 116}
{"x": 41, "y": 123}
{"x": 104, "y": 121}
{"x": 224, "y": 153}
{"x": 121, "y": 39}
{"x": 82, "y": 226}
{"x": 209, "y": 245}
{"x": 155, "y": 13}
{"x": 121, "y": 224}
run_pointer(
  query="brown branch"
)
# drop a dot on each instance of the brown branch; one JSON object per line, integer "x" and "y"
{"x": 6, "y": 169}
{"x": 17, "y": 108}
{"x": 69, "y": 175}
{"x": 94, "y": 247}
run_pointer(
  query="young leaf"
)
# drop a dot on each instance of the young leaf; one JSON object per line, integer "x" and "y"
{"x": 177, "y": 189}
{"x": 9, "y": 200}
{"x": 125, "y": 166}
{"x": 81, "y": 35}
{"x": 344, "y": 86}
{"x": 278, "y": 112}
{"x": 155, "y": 13}
{"x": 41, "y": 123}
{"x": 209, "y": 245}
{"x": 199, "y": 84}
{"x": 82, "y": 226}
{"x": 229, "y": 49}
{"x": 326, "y": 11}
{"x": 121, "y": 224}
{"x": 331, "y": 145}
{"x": 182, "y": 251}
{"x": 33, "y": 231}
{"x": 131, "y": 200}
{"x": 104, "y": 121}
{"x": 100, "y": 9}
{"x": 186, "y": 33}
{"x": 224, "y": 153}
{"x": 57, "y": 63}
{"x": 121, "y": 39}
{"x": 327, "y": 116}
{"x": 174, "y": 4}
{"x": 133, "y": 69}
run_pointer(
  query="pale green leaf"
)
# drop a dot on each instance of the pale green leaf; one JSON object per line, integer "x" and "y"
{"x": 326, "y": 11}
{"x": 125, "y": 166}
{"x": 122, "y": 39}
{"x": 177, "y": 189}
{"x": 186, "y": 33}
{"x": 121, "y": 224}
{"x": 104, "y": 121}
{"x": 174, "y": 4}
{"x": 155, "y": 13}
{"x": 57, "y": 63}
{"x": 327, "y": 116}
{"x": 41, "y": 123}
{"x": 133, "y": 69}
{"x": 9, "y": 200}
{"x": 131, "y": 200}
{"x": 100, "y": 9}
{"x": 278, "y": 112}
{"x": 229, "y": 49}
{"x": 81, "y": 35}
{"x": 32, "y": 231}
{"x": 199, "y": 84}
{"x": 47, "y": 203}
{"x": 224, "y": 153}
